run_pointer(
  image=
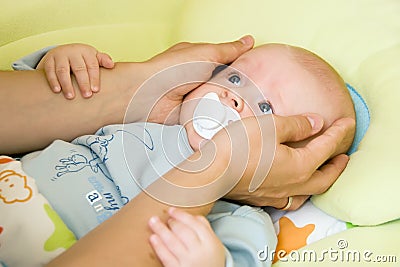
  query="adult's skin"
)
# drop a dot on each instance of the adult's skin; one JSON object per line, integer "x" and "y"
{"x": 35, "y": 116}
{"x": 39, "y": 118}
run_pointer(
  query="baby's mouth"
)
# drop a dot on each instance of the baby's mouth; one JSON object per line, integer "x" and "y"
{"x": 211, "y": 115}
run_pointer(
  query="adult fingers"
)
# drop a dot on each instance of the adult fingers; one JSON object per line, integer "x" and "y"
{"x": 280, "y": 203}
{"x": 191, "y": 64}
{"x": 323, "y": 147}
{"x": 297, "y": 202}
{"x": 297, "y": 128}
{"x": 221, "y": 53}
{"x": 324, "y": 177}
{"x": 227, "y": 52}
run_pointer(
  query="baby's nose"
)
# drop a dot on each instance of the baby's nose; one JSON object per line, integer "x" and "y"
{"x": 232, "y": 100}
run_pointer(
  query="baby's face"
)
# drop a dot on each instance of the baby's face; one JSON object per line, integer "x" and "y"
{"x": 266, "y": 71}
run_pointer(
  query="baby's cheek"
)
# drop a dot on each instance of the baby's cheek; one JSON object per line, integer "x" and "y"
{"x": 246, "y": 112}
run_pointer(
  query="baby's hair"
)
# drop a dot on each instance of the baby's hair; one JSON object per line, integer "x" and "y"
{"x": 318, "y": 67}
{"x": 324, "y": 72}
{"x": 329, "y": 79}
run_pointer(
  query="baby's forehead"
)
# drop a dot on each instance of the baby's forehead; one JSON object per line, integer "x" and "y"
{"x": 257, "y": 60}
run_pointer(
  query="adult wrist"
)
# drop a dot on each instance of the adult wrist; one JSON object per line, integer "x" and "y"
{"x": 119, "y": 85}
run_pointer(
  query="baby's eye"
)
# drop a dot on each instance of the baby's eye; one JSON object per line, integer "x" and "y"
{"x": 235, "y": 79}
{"x": 265, "y": 107}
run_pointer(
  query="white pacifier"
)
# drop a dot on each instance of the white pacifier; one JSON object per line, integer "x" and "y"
{"x": 211, "y": 115}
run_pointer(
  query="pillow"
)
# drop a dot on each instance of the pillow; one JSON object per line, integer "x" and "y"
{"x": 367, "y": 192}
{"x": 127, "y": 30}
{"x": 362, "y": 41}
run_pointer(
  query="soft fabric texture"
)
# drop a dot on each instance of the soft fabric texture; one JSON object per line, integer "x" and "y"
{"x": 298, "y": 228}
{"x": 94, "y": 176}
{"x": 31, "y": 232}
{"x": 362, "y": 118}
{"x": 29, "y": 62}
{"x": 360, "y": 39}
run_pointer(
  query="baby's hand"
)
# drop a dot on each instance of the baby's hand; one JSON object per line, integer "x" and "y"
{"x": 83, "y": 60}
{"x": 186, "y": 240}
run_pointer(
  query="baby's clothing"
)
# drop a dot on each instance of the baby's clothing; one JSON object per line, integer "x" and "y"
{"x": 90, "y": 179}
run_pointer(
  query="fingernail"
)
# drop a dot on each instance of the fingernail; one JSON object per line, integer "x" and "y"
{"x": 57, "y": 89}
{"x": 95, "y": 89}
{"x": 246, "y": 40}
{"x": 153, "y": 220}
{"x": 312, "y": 121}
{"x": 171, "y": 210}
{"x": 87, "y": 94}
{"x": 69, "y": 95}
{"x": 153, "y": 239}
{"x": 316, "y": 121}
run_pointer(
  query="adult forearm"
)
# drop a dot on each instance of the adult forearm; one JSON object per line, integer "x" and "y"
{"x": 34, "y": 116}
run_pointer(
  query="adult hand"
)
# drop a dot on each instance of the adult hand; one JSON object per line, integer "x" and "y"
{"x": 296, "y": 172}
{"x": 177, "y": 71}
{"x": 80, "y": 59}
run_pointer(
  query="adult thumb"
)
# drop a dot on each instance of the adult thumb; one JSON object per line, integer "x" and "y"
{"x": 298, "y": 127}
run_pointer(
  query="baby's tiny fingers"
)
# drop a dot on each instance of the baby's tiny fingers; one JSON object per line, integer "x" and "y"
{"x": 104, "y": 60}
{"x": 166, "y": 235}
{"x": 50, "y": 71}
{"x": 79, "y": 68}
{"x": 163, "y": 253}
{"x": 62, "y": 70}
{"x": 187, "y": 234}
{"x": 93, "y": 71}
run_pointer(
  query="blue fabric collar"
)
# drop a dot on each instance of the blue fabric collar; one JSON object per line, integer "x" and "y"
{"x": 362, "y": 118}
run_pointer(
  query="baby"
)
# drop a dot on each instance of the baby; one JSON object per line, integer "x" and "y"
{"x": 90, "y": 179}
{"x": 292, "y": 81}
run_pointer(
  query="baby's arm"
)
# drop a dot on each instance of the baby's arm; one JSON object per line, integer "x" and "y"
{"x": 186, "y": 240}
{"x": 80, "y": 59}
